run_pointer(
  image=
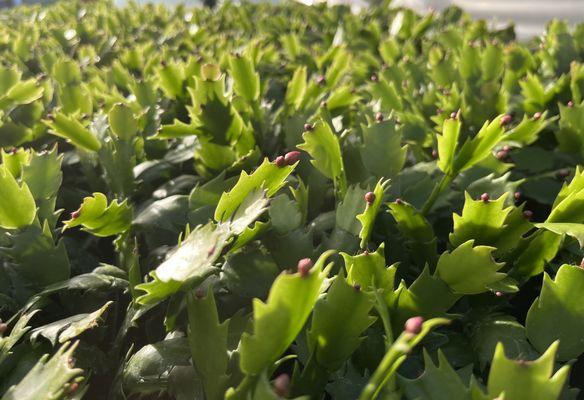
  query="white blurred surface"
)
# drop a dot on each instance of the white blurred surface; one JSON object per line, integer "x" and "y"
{"x": 530, "y": 16}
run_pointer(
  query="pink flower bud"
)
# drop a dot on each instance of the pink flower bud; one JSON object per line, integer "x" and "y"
{"x": 505, "y": 119}
{"x": 308, "y": 127}
{"x": 485, "y": 197}
{"x": 379, "y": 117}
{"x": 304, "y": 266}
{"x": 282, "y": 385}
{"x": 292, "y": 157}
{"x": 414, "y": 325}
{"x": 280, "y": 161}
{"x": 369, "y": 197}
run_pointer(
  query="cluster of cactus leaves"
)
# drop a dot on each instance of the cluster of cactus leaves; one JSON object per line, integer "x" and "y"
{"x": 264, "y": 201}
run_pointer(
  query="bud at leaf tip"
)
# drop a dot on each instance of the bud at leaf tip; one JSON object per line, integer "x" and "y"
{"x": 304, "y": 266}
{"x": 280, "y": 161}
{"x": 292, "y": 157}
{"x": 505, "y": 119}
{"x": 414, "y": 325}
{"x": 369, "y": 197}
{"x": 485, "y": 197}
{"x": 281, "y": 385}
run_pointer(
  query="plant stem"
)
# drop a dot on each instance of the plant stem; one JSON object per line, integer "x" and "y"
{"x": 440, "y": 186}
{"x": 381, "y": 307}
{"x": 386, "y": 368}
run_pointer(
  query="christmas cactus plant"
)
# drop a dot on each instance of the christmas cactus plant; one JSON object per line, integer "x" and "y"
{"x": 267, "y": 201}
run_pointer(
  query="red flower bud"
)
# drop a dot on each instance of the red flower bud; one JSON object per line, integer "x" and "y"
{"x": 3, "y": 328}
{"x": 280, "y": 161}
{"x": 536, "y": 116}
{"x": 379, "y": 117}
{"x": 570, "y": 103}
{"x": 374, "y": 78}
{"x": 321, "y": 80}
{"x": 563, "y": 173}
{"x": 485, "y": 197}
{"x": 517, "y": 195}
{"x": 453, "y": 115}
{"x": 399, "y": 201}
{"x": 527, "y": 214}
{"x": 292, "y": 157}
{"x": 501, "y": 155}
{"x": 75, "y": 214}
{"x": 434, "y": 153}
{"x": 73, "y": 387}
{"x": 499, "y": 294}
{"x": 357, "y": 287}
{"x": 282, "y": 385}
{"x": 505, "y": 119}
{"x": 369, "y": 197}
{"x": 414, "y": 325}
{"x": 308, "y": 127}
{"x": 304, "y": 266}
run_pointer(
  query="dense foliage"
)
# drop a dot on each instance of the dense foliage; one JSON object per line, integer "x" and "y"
{"x": 268, "y": 201}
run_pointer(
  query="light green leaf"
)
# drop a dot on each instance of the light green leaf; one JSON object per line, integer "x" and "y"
{"x": 101, "y": 219}
{"x": 71, "y": 129}
{"x": 267, "y": 176}
{"x": 475, "y": 150}
{"x": 324, "y": 148}
{"x": 381, "y": 151}
{"x": 447, "y": 144}
{"x": 122, "y": 121}
{"x": 16, "y": 333}
{"x": 246, "y": 79}
{"x": 558, "y": 313}
{"x": 527, "y": 131}
{"x": 436, "y": 382}
{"x": 526, "y": 380}
{"x": 277, "y": 322}
{"x": 480, "y": 220}
{"x": 208, "y": 343}
{"x": 468, "y": 269}
{"x": 369, "y": 270}
{"x": 296, "y": 88}
{"x": 565, "y": 228}
{"x": 17, "y": 205}
{"x": 338, "y": 321}
{"x": 367, "y": 218}
{"x": 542, "y": 248}
{"x": 48, "y": 379}
{"x": 428, "y": 296}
